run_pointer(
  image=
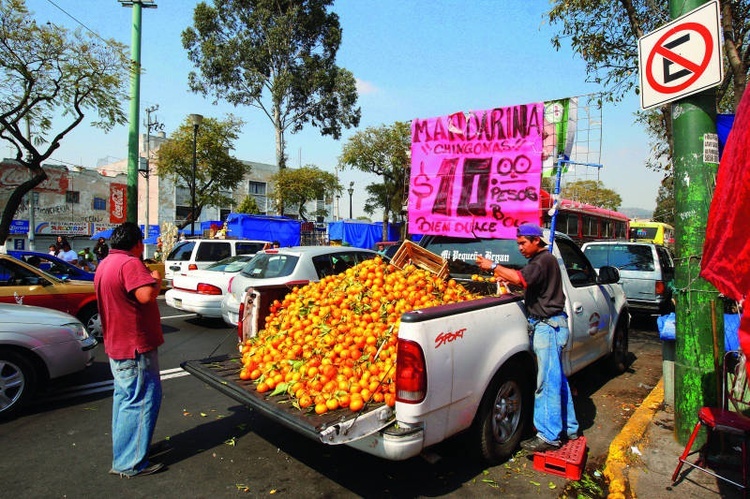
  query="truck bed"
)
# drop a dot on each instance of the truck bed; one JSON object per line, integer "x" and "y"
{"x": 223, "y": 373}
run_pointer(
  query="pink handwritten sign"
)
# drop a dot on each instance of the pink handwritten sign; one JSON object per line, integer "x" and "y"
{"x": 476, "y": 173}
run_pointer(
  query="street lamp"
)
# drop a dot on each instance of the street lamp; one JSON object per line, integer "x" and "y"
{"x": 351, "y": 193}
{"x": 196, "y": 119}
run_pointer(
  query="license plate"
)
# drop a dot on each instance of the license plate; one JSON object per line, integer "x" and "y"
{"x": 178, "y": 302}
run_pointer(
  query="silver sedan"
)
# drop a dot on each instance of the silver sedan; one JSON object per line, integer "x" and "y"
{"x": 36, "y": 345}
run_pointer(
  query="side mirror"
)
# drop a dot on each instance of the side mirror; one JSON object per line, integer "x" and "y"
{"x": 608, "y": 275}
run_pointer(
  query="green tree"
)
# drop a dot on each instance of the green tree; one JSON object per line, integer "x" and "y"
{"x": 50, "y": 78}
{"x": 298, "y": 186}
{"x": 216, "y": 170}
{"x": 592, "y": 192}
{"x": 386, "y": 152}
{"x": 605, "y": 35}
{"x": 248, "y": 205}
{"x": 665, "y": 208}
{"x": 278, "y": 56}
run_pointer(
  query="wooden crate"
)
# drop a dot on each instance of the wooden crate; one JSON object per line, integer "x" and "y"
{"x": 421, "y": 258}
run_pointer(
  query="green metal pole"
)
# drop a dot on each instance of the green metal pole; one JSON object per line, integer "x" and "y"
{"x": 135, "y": 100}
{"x": 696, "y": 330}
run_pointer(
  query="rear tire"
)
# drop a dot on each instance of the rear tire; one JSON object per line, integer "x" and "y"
{"x": 18, "y": 381}
{"x": 618, "y": 359}
{"x": 504, "y": 413}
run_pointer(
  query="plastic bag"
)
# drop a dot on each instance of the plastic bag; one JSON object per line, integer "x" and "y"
{"x": 666, "y": 326}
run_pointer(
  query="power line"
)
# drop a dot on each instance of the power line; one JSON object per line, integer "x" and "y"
{"x": 79, "y": 22}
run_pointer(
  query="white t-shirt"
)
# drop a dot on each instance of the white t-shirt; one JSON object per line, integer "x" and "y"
{"x": 68, "y": 256}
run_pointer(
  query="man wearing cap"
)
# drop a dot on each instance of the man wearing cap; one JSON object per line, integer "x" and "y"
{"x": 554, "y": 415}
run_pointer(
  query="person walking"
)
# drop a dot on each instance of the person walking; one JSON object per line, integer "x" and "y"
{"x": 101, "y": 250}
{"x": 68, "y": 254}
{"x": 554, "y": 414}
{"x": 131, "y": 326}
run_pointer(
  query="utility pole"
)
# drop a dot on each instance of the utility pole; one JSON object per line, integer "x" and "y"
{"x": 135, "y": 101}
{"x": 146, "y": 172}
{"x": 697, "y": 352}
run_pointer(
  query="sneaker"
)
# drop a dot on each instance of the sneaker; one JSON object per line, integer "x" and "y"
{"x": 536, "y": 444}
{"x": 148, "y": 470}
{"x": 573, "y": 436}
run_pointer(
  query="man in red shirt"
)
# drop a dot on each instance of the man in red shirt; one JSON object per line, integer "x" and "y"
{"x": 131, "y": 325}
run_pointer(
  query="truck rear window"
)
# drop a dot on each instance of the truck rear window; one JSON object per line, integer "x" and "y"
{"x": 462, "y": 253}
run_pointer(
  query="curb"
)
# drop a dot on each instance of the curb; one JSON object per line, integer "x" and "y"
{"x": 631, "y": 433}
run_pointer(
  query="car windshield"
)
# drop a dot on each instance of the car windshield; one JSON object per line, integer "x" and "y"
{"x": 269, "y": 265}
{"x": 231, "y": 264}
{"x": 622, "y": 256}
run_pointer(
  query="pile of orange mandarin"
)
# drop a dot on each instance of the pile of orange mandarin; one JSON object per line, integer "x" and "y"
{"x": 332, "y": 343}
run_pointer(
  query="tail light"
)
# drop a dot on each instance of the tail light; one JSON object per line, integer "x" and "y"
{"x": 208, "y": 289}
{"x": 192, "y": 266}
{"x": 229, "y": 286}
{"x": 659, "y": 288}
{"x": 411, "y": 373}
{"x": 240, "y": 321}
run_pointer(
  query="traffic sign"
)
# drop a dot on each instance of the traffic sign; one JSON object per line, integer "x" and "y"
{"x": 682, "y": 57}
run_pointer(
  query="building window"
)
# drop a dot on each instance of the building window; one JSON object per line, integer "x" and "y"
{"x": 256, "y": 188}
{"x": 73, "y": 197}
{"x": 100, "y": 204}
{"x": 258, "y": 191}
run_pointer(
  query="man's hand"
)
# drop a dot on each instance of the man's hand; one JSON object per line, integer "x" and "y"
{"x": 484, "y": 263}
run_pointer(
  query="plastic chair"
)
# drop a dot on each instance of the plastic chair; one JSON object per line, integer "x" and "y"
{"x": 727, "y": 419}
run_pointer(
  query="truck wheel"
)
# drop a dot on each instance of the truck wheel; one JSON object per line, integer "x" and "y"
{"x": 17, "y": 382}
{"x": 504, "y": 413}
{"x": 91, "y": 320}
{"x": 618, "y": 359}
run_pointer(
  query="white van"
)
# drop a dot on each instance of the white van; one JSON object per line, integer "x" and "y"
{"x": 194, "y": 254}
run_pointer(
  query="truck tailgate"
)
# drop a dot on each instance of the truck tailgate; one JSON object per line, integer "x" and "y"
{"x": 337, "y": 427}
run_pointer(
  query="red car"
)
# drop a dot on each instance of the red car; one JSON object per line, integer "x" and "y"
{"x": 25, "y": 284}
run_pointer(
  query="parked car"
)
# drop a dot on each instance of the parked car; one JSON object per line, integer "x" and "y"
{"x": 296, "y": 265}
{"x": 53, "y": 265}
{"x": 646, "y": 272}
{"x": 24, "y": 284}
{"x": 194, "y": 254}
{"x": 37, "y": 345}
{"x": 201, "y": 291}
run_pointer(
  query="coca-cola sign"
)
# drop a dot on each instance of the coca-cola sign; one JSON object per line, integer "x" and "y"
{"x": 13, "y": 174}
{"x": 118, "y": 194}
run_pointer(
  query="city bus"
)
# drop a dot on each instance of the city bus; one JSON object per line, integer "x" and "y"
{"x": 584, "y": 222}
{"x": 651, "y": 232}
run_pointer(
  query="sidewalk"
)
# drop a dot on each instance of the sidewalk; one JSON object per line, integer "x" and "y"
{"x": 645, "y": 453}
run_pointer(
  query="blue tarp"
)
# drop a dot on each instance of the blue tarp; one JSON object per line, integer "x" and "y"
{"x": 361, "y": 235}
{"x": 724, "y": 124}
{"x": 266, "y": 228}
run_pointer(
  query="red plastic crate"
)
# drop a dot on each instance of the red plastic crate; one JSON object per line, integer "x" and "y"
{"x": 568, "y": 461}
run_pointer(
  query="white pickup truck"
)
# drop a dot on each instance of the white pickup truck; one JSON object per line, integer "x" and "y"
{"x": 461, "y": 368}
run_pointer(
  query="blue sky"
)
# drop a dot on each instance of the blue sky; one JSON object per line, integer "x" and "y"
{"x": 412, "y": 59}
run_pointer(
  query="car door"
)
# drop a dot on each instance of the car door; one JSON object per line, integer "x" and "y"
{"x": 23, "y": 286}
{"x": 590, "y": 307}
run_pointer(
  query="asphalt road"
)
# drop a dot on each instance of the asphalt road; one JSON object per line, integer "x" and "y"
{"x": 60, "y": 446}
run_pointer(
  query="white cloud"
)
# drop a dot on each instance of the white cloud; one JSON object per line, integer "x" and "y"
{"x": 365, "y": 87}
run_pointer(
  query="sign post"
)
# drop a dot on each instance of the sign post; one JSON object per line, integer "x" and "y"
{"x": 680, "y": 63}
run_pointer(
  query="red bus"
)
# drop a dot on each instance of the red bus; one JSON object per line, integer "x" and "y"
{"x": 584, "y": 222}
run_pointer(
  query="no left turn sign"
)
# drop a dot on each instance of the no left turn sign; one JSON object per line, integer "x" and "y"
{"x": 681, "y": 58}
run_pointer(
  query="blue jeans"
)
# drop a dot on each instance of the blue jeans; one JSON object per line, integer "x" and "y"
{"x": 135, "y": 407}
{"x": 553, "y": 402}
